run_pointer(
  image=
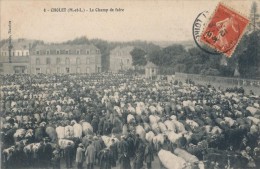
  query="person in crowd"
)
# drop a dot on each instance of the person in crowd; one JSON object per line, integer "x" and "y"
{"x": 148, "y": 154}
{"x": 114, "y": 150}
{"x": 55, "y": 160}
{"x": 139, "y": 155}
{"x": 47, "y": 152}
{"x": 124, "y": 160}
{"x": 137, "y": 142}
{"x": 94, "y": 124}
{"x": 80, "y": 156}
{"x": 131, "y": 145}
{"x": 123, "y": 147}
{"x": 182, "y": 142}
{"x": 98, "y": 147}
{"x": 106, "y": 159}
{"x": 90, "y": 155}
{"x": 68, "y": 153}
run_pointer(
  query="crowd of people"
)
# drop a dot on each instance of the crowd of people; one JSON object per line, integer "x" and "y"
{"x": 117, "y": 120}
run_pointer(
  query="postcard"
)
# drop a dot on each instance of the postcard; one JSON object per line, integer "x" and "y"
{"x": 130, "y": 84}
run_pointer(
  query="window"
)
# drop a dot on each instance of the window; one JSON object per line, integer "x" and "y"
{"x": 47, "y": 52}
{"x": 67, "y": 61}
{"x": 67, "y": 70}
{"x": 13, "y": 54}
{"x": 48, "y": 71}
{"x": 57, "y": 60}
{"x": 37, "y": 52}
{"x": 38, "y": 70}
{"x": 67, "y": 52}
{"x": 87, "y": 60}
{"x": 78, "y": 52}
{"x": 88, "y": 52}
{"x": 27, "y": 53}
{"x": 48, "y": 61}
{"x": 37, "y": 61}
{"x": 57, "y": 52}
{"x": 78, "y": 61}
{"x": 97, "y": 51}
{"x": 127, "y": 61}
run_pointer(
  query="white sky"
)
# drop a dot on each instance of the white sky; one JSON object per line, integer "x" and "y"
{"x": 141, "y": 20}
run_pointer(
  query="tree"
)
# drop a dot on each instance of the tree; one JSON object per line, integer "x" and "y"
{"x": 138, "y": 57}
{"x": 249, "y": 59}
{"x": 254, "y": 17}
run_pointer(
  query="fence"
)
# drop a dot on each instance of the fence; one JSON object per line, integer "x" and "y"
{"x": 216, "y": 79}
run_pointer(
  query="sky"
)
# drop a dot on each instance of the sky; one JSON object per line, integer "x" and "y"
{"x": 148, "y": 20}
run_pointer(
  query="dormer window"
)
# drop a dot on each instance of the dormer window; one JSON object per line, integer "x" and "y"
{"x": 47, "y": 52}
{"x": 57, "y": 52}
{"x": 78, "y": 52}
{"x": 37, "y": 52}
{"x": 87, "y": 51}
{"x": 67, "y": 52}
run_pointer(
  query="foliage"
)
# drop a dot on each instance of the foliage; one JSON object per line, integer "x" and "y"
{"x": 138, "y": 57}
{"x": 249, "y": 58}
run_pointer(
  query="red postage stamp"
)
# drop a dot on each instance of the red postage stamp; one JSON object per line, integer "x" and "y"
{"x": 224, "y": 30}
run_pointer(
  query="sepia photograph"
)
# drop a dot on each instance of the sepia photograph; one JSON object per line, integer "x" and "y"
{"x": 120, "y": 84}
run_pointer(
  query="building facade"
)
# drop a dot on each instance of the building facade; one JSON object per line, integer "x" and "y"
{"x": 51, "y": 59}
{"x": 151, "y": 70}
{"x": 120, "y": 59}
{"x": 65, "y": 59}
{"x": 19, "y": 57}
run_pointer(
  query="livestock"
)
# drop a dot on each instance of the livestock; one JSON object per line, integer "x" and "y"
{"x": 171, "y": 161}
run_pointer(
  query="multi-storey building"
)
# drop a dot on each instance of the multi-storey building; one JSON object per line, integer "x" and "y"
{"x": 65, "y": 59}
{"x": 16, "y": 60}
{"x": 121, "y": 59}
{"x": 50, "y": 59}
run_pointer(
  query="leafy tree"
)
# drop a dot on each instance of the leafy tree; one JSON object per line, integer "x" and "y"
{"x": 138, "y": 57}
{"x": 249, "y": 59}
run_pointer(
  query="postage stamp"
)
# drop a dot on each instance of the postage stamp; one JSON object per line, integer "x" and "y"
{"x": 224, "y": 30}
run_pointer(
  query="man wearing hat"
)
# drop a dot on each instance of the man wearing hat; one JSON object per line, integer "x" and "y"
{"x": 55, "y": 159}
{"x": 90, "y": 155}
{"x": 79, "y": 156}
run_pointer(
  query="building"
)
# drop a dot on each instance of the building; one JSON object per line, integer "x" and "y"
{"x": 50, "y": 59}
{"x": 120, "y": 59}
{"x": 151, "y": 70}
{"x": 65, "y": 59}
{"x": 20, "y": 53}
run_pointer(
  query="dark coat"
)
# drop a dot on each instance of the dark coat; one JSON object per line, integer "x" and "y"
{"x": 124, "y": 161}
{"x": 114, "y": 150}
{"x": 148, "y": 154}
{"x": 106, "y": 159}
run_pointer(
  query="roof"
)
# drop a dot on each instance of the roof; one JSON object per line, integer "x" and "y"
{"x": 17, "y": 45}
{"x": 151, "y": 65}
{"x": 127, "y": 49}
{"x": 63, "y": 47}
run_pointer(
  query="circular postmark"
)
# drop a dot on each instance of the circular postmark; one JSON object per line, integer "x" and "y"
{"x": 212, "y": 29}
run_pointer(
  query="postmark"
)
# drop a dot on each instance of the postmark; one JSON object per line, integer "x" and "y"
{"x": 197, "y": 28}
{"x": 224, "y": 30}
